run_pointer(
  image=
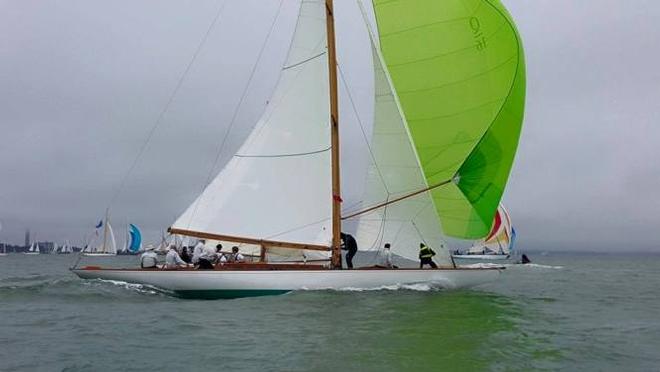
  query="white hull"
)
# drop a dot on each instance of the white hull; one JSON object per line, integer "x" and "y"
{"x": 482, "y": 257}
{"x": 92, "y": 254}
{"x": 31, "y": 253}
{"x": 243, "y": 283}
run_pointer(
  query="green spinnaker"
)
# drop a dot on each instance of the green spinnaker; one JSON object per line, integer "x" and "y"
{"x": 458, "y": 69}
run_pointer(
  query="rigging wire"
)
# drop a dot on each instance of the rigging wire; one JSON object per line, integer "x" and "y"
{"x": 364, "y": 132}
{"x": 162, "y": 113}
{"x": 380, "y": 235}
{"x": 218, "y": 154}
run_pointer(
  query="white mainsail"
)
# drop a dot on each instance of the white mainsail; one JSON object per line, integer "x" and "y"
{"x": 278, "y": 185}
{"x": 111, "y": 244}
{"x": 394, "y": 172}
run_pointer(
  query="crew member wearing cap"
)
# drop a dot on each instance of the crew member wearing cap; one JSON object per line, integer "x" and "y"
{"x": 149, "y": 259}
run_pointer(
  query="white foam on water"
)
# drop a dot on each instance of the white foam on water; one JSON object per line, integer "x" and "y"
{"x": 483, "y": 265}
{"x": 529, "y": 265}
{"x": 541, "y": 266}
{"x": 419, "y": 287}
{"x": 141, "y": 288}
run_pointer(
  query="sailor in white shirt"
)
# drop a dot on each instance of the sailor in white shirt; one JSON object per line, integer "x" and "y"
{"x": 173, "y": 260}
{"x": 197, "y": 252}
{"x": 235, "y": 255}
{"x": 149, "y": 259}
{"x": 208, "y": 253}
{"x": 386, "y": 257}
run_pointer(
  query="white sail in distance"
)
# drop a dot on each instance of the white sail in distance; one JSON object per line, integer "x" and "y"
{"x": 498, "y": 241}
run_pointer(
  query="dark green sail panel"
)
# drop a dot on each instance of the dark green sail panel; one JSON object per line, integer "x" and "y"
{"x": 458, "y": 70}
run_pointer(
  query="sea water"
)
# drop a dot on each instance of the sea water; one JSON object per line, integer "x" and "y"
{"x": 564, "y": 312}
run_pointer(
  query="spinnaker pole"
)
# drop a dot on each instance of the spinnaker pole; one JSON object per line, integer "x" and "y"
{"x": 334, "y": 135}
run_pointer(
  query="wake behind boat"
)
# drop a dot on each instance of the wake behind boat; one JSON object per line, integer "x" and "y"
{"x": 442, "y": 147}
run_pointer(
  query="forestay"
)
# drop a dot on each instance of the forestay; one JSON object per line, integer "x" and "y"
{"x": 278, "y": 184}
{"x": 458, "y": 69}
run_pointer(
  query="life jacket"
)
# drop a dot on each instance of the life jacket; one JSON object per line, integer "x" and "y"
{"x": 426, "y": 252}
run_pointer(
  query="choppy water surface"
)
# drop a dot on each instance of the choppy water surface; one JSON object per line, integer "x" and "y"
{"x": 592, "y": 312}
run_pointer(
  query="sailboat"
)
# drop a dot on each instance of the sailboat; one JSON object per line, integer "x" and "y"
{"x": 497, "y": 245}
{"x": 104, "y": 245}
{"x": 34, "y": 249}
{"x": 66, "y": 248}
{"x": 4, "y": 245}
{"x": 449, "y": 98}
{"x": 133, "y": 241}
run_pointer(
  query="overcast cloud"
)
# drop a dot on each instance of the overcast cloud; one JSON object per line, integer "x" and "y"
{"x": 82, "y": 83}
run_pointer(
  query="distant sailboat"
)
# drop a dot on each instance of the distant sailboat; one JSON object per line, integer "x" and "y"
{"x": 4, "y": 245}
{"x": 449, "y": 98}
{"x": 103, "y": 245}
{"x": 34, "y": 249}
{"x": 497, "y": 245}
{"x": 66, "y": 248}
{"x": 133, "y": 241}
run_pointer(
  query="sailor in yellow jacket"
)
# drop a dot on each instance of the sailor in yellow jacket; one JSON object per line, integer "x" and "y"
{"x": 426, "y": 256}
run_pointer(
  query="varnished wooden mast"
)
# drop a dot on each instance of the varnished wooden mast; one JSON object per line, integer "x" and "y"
{"x": 334, "y": 130}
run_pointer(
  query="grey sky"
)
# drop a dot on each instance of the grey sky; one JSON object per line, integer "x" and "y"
{"x": 82, "y": 82}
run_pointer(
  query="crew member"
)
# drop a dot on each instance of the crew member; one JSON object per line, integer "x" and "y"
{"x": 219, "y": 256}
{"x": 197, "y": 251}
{"x": 426, "y": 256}
{"x": 173, "y": 260}
{"x": 350, "y": 245}
{"x": 206, "y": 259}
{"x": 236, "y": 256}
{"x": 185, "y": 256}
{"x": 386, "y": 258}
{"x": 149, "y": 259}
